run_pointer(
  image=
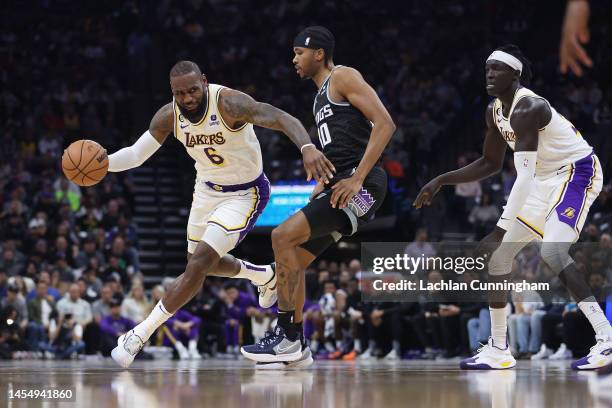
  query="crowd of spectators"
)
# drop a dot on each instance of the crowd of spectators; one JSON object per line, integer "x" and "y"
{"x": 70, "y": 279}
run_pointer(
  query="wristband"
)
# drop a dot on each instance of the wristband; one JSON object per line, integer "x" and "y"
{"x": 306, "y": 145}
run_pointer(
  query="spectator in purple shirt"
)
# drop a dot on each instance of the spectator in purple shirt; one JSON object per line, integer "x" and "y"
{"x": 113, "y": 326}
{"x": 238, "y": 306}
{"x": 181, "y": 328}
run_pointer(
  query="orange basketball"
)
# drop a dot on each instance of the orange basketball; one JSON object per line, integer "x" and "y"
{"x": 85, "y": 163}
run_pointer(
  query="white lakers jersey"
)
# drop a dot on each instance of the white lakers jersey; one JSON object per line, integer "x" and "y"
{"x": 222, "y": 155}
{"x": 559, "y": 142}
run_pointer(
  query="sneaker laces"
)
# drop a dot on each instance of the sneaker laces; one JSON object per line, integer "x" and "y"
{"x": 270, "y": 337}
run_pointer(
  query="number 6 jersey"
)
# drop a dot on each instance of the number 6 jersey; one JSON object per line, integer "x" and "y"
{"x": 222, "y": 155}
{"x": 343, "y": 130}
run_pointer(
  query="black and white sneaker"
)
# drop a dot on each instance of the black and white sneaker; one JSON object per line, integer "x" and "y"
{"x": 274, "y": 347}
{"x": 304, "y": 362}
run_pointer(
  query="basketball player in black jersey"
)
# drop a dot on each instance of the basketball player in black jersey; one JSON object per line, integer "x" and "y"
{"x": 354, "y": 128}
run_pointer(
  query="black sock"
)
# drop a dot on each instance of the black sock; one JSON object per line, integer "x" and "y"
{"x": 285, "y": 320}
{"x": 299, "y": 328}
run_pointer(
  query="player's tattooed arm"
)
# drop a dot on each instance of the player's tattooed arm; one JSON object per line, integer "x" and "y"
{"x": 238, "y": 108}
{"x": 162, "y": 123}
{"x": 490, "y": 163}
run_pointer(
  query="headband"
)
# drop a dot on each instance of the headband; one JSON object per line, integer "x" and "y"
{"x": 507, "y": 59}
{"x": 315, "y": 37}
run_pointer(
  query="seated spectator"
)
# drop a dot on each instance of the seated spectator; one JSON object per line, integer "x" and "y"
{"x": 76, "y": 307}
{"x": 89, "y": 251}
{"x": 484, "y": 216}
{"x": 11, "y": 262}
{"x": 3, "y": 283}
{"x": 112, "y": 326}
{"x": 479, "y": 329}
{"x": 238, "y": 306}
{"x": 40, "y": 308}
{"x": 136, "y": 306}
{"x": 44, "y": 277}
{"x": 93, "y": 285}
{"x": 15, "y": 300}
{"x": 183, "y": 328}
{"x": 66, "y": 337}
{"x": 11, "y": 335}
{"x": 523, "y": 341}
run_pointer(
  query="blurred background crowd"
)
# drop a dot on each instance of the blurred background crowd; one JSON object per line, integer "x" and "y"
{"x": 70, "y": 276}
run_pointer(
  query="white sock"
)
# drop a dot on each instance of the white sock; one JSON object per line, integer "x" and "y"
{"x": 499, "y": 327}
{"x": 193, "y": 345}
{"x": 258, "y": 274}
{"x": 397, "y": 347}
{"x": 358, "y": 345}
{"x": 156, "y": 318}
{"x": 596, "y": 316}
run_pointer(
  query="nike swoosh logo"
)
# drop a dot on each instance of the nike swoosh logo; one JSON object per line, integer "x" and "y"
{"x": 183, "y": 127}
{"x": 507, "y": 219}
{"x": 282, "y": 350}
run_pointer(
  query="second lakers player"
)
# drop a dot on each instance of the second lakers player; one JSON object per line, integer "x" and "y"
{"x": 558, "y": 179}
{"x": 215, "y": 124}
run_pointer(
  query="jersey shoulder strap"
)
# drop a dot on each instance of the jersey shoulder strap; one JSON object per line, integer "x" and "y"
{"x": 523, "y": 93}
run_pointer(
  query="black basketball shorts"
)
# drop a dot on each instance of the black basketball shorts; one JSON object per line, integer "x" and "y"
{"x": 328, "y": 224}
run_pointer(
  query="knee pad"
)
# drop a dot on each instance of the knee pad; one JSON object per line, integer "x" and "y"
{"x": 556, "y": 255}
{"x": 500, "y": 262}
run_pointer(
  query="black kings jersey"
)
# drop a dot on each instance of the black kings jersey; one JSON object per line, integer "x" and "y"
{"x": 343, "y": 130}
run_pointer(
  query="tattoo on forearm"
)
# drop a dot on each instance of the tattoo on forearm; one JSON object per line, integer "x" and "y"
{"x": 242, "y": 107}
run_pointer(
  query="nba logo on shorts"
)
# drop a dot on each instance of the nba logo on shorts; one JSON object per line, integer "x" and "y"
{"x": 569, "y": 212}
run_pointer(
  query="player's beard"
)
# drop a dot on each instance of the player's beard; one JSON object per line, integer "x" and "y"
{"x": 196, "y": 114}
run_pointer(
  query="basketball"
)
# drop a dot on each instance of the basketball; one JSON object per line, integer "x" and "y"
{"x": 85, "y": 163}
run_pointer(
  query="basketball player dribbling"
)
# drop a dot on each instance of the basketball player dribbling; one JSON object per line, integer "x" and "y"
{"x": 558, "y": 179}
{"x": 215, "y": 124}
{"x": 354, "y": 128}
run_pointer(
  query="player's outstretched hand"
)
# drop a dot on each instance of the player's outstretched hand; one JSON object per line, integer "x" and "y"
{"x": 316, "y": 165}
{"x": 427, "y": 193}
{"x": 344, "y": 190}
{"x": 574, "y": 33}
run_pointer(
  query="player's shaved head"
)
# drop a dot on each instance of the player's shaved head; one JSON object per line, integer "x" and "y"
{"x": 184, "y": 68}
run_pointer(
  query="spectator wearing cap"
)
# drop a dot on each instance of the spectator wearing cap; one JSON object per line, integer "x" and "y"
{"x": 15, "y": 300}
{"x": 73, "y": 304}
{"x": 113, "y": 325}
{"x": 37, "y": 229}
